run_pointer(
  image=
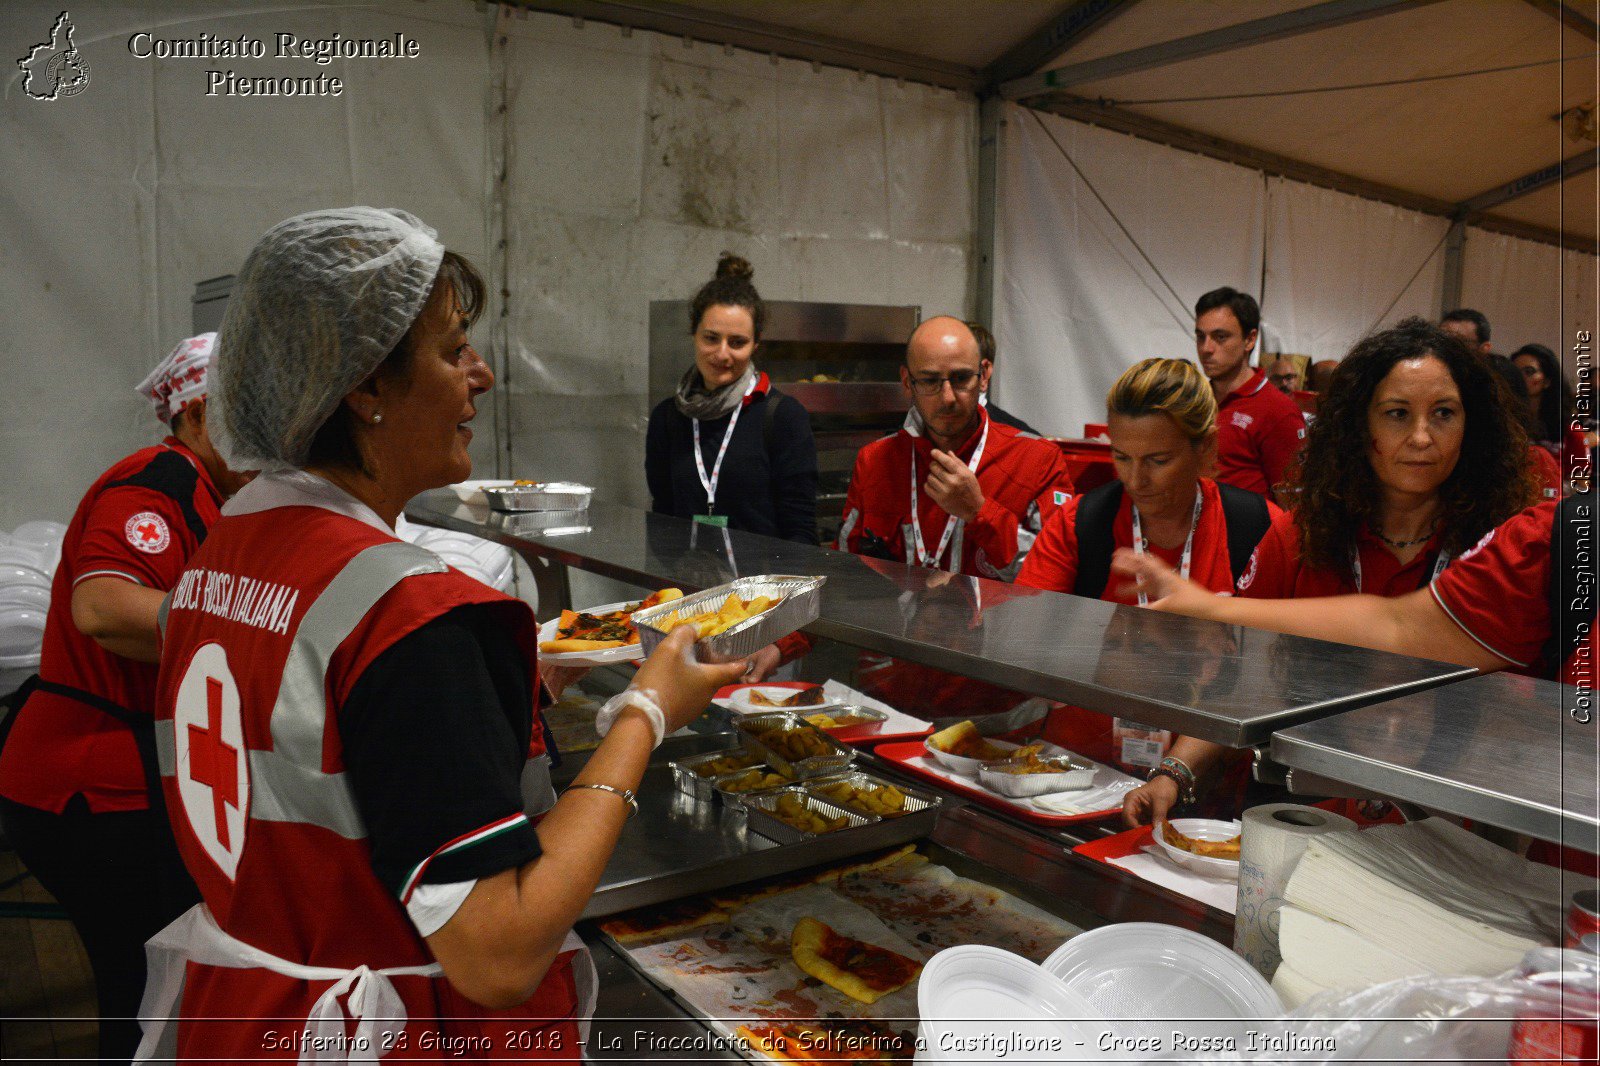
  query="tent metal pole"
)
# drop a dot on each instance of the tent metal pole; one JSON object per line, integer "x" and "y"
{"x": 1455, "y": 247}
{"x": 1517, "y": 188}
{"x": 1053, "y": 39}
{"x": 1228, "y": 38}
{"x": 990, "y": 124}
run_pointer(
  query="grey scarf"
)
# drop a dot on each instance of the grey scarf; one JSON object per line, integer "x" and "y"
{"x": 703, "y": 405}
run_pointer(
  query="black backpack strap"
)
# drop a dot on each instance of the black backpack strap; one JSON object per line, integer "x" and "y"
{"x": 1573, "y": 597}
{"x": 1097, "y": 510}
{"x": 1247, "y": 519}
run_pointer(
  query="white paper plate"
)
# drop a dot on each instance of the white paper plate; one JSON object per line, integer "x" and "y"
{"x": 960, "y": 763}
{"x": 1155, "y": 979}
{"x": 1201, "y": 829}
{"x": 975, "y": 1000}
{"x": 604, "y": 657}
{"x": 739, "y": 700}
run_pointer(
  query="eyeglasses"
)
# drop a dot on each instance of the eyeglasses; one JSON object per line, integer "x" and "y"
{"x": 959, "y": 382}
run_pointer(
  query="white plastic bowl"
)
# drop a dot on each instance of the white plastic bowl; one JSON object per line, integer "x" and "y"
{"x": 31, "y": 596}
{"x": 960, "y": 763}
{"x": 1201, "y": 829}
{"x": 21, "y": 636}
{"x": 1156, "y": 978}
{"x": 41, "y": 533}
{"x": 971, "y": 997}
{"x": 19, "y": 574}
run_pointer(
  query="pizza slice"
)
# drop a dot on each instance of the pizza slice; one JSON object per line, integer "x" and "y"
{"x": 664, "y": 921}
{"x": 1211, "y": 849}
{"x": 860, "y": 970}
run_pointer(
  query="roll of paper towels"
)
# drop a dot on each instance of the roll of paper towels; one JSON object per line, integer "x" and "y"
{"x": 1275, "y": 836}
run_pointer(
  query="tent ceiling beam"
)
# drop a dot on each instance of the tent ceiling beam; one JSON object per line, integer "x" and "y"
{"x": 1151, "y": 129}
{"x": 1256, "y": 31}
{"x": 1569, "y": 17}
{"x": 1530, "y": 182}
{"x": 1044, "y": 44}
{"x": 676, "y": 20}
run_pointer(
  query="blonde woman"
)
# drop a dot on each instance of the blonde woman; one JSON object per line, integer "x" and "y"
{"x": 1161, "y": 416}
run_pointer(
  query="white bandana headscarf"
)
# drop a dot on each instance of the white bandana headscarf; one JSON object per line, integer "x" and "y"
{"x": 181, "y": 377}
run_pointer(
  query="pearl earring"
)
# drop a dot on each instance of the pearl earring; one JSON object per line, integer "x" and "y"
{"x": 377, "y": 416}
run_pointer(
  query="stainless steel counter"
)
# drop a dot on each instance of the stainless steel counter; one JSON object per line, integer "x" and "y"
{"x": 1499, "y": 749}
{"x": 1222, "y": 683}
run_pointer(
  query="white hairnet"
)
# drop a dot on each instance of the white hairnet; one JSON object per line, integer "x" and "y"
{"x": 320, "y": 301}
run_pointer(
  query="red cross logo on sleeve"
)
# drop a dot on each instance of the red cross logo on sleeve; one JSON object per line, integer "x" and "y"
{"x": 215, "y": 763}
{"x": 212, "y": 768}
{"x": 148, "y": 532}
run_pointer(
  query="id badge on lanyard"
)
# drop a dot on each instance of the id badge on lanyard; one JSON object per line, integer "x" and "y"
{"x": 1140, "y": 547}
{"x": 709, "y": 481}
{"x": 951, "y": 522}
{"x": 1439, "y": 565}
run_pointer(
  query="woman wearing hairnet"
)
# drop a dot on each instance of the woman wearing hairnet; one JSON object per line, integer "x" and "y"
{"x": 78, "y": 792}
{"x": 353, "y": 725}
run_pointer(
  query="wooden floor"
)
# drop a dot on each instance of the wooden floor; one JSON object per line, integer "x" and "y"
{"x": 47, "y": 1006}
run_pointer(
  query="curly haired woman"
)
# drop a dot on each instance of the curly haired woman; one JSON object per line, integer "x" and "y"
{"x": 1445, "y": 464}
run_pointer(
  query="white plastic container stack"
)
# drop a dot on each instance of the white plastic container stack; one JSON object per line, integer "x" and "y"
{"x": 28, "y": 558}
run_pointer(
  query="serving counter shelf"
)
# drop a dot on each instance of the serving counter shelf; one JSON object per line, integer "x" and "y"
{"x": 1500, "y": 749}
{"x": 1226, "y": 684}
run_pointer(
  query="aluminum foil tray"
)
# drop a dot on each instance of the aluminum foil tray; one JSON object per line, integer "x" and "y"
{"x": 544, "y": 523}
{"x": 837, "y": 760}
{"x": 864, "y": 716}
{"x": 917, "y": 800}
{"x": 1073, "y": 776}
{"x": 545, "y": 496}
{"x": 738, "y": 800}
{"x": 759, "y": 806}
{"x": 701, "y": 787}
{"x": 800, "y": 605}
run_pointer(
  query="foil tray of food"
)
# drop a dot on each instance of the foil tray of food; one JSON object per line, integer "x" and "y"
{"x": 698, "y": 775}
{"x": 867, "y": 793}
{"x": 538, "y": 496}
{"x": 738, "y": 619}
{"x": 794, "y": 747}
{"x": 790, "y": 815}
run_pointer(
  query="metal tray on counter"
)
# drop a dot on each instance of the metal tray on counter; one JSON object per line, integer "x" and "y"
{"x": 759, "y": 808}
{"x": 917, "y": 801}
{"x": 542, "y": 523}
{"x": 838, "y": 755}
{"x": 800, "y": 602}
{"x": 544, "y": 496}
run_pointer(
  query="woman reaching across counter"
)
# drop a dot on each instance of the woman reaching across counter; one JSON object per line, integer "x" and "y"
{"x": 1443, "y": 467}
{"x": 353, "y": 754}
{"x": 1161, "y": 416}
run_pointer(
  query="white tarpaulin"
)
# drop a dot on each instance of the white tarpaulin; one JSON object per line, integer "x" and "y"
{"x": 1075, "y": 302}
{"x": 1531, "y": 293}
{"x": 1339, "y": 266}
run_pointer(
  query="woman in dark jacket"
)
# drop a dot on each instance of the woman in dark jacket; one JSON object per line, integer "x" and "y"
{"x": 728, "y": 449}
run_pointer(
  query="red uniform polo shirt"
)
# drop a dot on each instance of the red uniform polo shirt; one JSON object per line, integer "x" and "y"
{"x": 1497, "y": 592}
{"x": 1259, "y": 433}
{"x": 1276, "y": 571}
{"x": 139, "y": 522}
{"x": 1053, "y": 563}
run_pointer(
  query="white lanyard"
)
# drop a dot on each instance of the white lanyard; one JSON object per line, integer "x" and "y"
{"x": 951, "y": 521}
{"x": 1139, "y": 545}
{"x": 1355, "y": 566}
{"x": 710, "y": 483}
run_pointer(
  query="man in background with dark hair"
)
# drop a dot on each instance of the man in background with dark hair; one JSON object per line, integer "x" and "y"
{"x": 986, "y": 350}
{"x": 1469, "y": 325}
{"x": 1259, "y": 429}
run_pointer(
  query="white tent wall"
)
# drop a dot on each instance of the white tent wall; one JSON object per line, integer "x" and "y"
{"x": 1075, "y": 303}
{"x": 1531, "y": 293}
{"x": 122, "y": 197}
{"x": 635, "y": 161}
{"x": 632, "y": 161}
{"x": 1339, "y": 266}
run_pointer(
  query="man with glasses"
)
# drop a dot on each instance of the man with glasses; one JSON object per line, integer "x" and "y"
{"x": 953, "y": 489}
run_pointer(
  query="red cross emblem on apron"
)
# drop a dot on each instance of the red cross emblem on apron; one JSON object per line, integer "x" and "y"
{"x": 212, "y": 764}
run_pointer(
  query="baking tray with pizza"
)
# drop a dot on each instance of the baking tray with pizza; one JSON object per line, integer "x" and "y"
{"x": 823, "y": 966}
{"x": 1101, "y": 799}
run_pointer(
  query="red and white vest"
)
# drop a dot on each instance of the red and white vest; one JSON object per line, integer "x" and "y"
{"x": 276, "y": 618}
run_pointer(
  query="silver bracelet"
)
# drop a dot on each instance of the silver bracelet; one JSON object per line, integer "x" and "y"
{"x": 626, "y": 794}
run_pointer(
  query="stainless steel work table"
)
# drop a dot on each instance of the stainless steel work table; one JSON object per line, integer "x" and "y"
{"x": 1226, "y": 684}
{"x": 1499, "y": 749}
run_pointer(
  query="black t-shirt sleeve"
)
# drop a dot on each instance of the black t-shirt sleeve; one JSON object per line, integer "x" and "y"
{"x": 794, "y": 472}
{"x": 435, "y": 735}
{"x": 658, "y": 459}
